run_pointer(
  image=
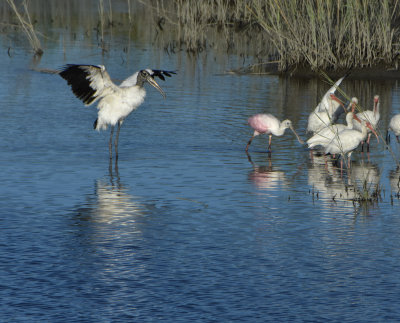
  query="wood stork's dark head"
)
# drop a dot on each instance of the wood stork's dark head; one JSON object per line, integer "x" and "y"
{"x": 145, "y": 76}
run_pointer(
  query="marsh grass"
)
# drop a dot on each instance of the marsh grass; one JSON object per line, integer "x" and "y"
{"x": 27, "y": 26}
{"x": 331, "y": 34}
{"x": 314, "y": 34}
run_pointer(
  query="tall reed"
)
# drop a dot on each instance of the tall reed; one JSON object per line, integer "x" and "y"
{"x": 319, "y": 34}
{"x": 27, "y": 26}
{"x": 325, "y": 34}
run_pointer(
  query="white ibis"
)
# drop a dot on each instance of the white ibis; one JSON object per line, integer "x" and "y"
{"x": 91, "y": 83}
{"x": 270, "y": 125}
{"x": 371, "y": 116}
{"x": 394, "y": 125}
{"x": 324, "y": 136}
{"x": 327, "y": 111}
{"x": 348, "y": 140}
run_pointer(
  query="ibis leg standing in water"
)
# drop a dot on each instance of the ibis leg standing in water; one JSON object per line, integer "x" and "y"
{"x": 347, "y": 140}
{"x": 92, "y": 83}
{"x": 268, "y": 124}
{"x": 394, "y": 125}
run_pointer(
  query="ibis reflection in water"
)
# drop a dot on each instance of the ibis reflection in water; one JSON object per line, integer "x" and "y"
{"x": 91, "y": 83}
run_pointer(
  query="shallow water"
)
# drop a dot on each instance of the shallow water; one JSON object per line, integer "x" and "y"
{"x": 187, "y": 226}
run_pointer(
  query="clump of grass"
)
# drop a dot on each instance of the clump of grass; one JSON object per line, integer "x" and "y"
{"x": 26, "y": 24}
{"x": 314, "y": 34}
{"x": 326, "y": 34}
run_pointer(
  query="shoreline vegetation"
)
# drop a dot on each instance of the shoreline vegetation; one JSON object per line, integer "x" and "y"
{"x": 287, "y": 37}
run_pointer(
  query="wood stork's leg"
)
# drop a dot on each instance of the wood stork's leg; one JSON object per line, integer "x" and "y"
{"x": 110, "y": 141}
{"x": 249, "y": 143}
{"x": 116, "y": 140}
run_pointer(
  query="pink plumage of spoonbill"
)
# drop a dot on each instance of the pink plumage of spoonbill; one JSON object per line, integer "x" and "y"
{"x": 265, "y": 123}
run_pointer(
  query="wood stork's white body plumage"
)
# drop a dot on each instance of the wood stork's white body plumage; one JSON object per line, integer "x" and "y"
{"x": 92, "y": 83}
{"x": 327, "y": 111}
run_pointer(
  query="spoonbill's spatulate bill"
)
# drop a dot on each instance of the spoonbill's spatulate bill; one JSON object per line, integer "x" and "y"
{"x": 270, "y": 125}
{"x": 91, "y": 83}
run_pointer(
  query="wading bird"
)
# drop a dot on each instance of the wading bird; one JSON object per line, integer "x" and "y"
{"x": 347, "y": 140}
{"x": 394, "y": 125}
{"x": 371, "y": 116}
{"x": 327, "y": 111}
{"x": 91, "y": 83}
{"x": 324, "y": 136}
{"x": 268, "y": 124}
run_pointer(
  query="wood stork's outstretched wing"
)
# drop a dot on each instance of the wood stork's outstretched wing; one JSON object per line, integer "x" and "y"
{"x": 131, "y": 81}
{"x": 88, "y": 82}
{"x": 161, "y": 74}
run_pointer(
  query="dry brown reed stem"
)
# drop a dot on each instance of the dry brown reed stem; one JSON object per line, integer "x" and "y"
{"x": 27, "y": 26}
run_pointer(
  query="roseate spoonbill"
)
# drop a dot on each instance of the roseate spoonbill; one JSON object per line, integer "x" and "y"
{"x": 270, "y": 125}
{"x": 327, "y": 111}
{"x": 394, "y": 125}
{"x": 91, "y": 83}
{"x": 324, "y": 136}
{"x": 371, "y": 116}
{"x": 347, "y": 140}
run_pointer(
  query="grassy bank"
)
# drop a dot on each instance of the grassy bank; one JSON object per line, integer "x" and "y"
{"x": 267, "y": 35}
{"x": 310, "y": 34}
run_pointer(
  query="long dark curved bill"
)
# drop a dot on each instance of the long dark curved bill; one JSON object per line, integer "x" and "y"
{"x": 154, "y": 83}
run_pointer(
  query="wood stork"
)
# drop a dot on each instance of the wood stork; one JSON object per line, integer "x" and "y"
{"x": 91, "y": 83}
{"x": 371, "y": 116}
{"x": 327, "y": 111}
{"x": 347, "y": 140}
{"x": 270, "y": 125}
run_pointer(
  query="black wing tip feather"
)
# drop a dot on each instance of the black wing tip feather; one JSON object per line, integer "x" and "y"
{"x": 161, "y": 73}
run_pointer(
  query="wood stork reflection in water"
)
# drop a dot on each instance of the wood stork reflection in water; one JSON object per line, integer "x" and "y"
{"x": 91, "y": 83}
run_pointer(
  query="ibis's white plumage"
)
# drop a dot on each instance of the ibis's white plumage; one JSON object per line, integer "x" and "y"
{"x": 327, "y": 111}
